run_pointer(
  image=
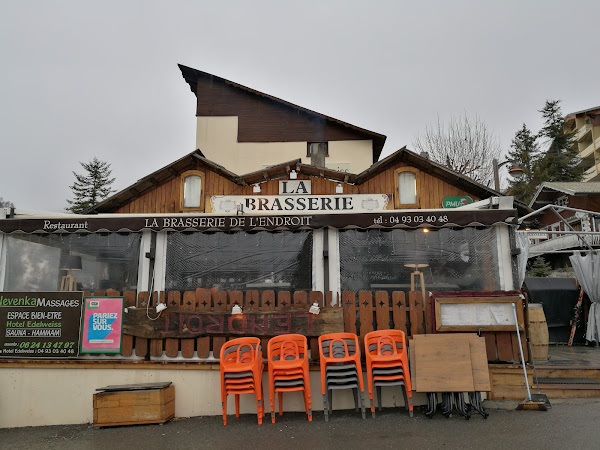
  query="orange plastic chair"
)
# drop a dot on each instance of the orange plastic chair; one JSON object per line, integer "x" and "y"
{"x": 340, "y": 368}
{"x": 288, "y": 370}
{"x": 241, "y": 369}
{"x": 386, "y": 354}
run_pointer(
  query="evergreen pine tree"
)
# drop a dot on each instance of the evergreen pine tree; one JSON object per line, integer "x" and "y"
{"x": 539, "y": 268}
{"x": 525, "y": 152}
{"x": 91, "y": 188}
{"x": 560, "y": 162}
{"x": 6, "y": 203}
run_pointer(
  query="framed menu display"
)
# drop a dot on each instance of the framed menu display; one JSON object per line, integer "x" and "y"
{"x": 478, "y": 314}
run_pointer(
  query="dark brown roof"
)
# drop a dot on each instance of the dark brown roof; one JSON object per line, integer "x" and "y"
{"x": 156, "y": 178}
{"x": 220, "y": 105}
{"x": 283, "y": 169}
{"x": 549, "y": 192}
{"x": 438, "y": 170}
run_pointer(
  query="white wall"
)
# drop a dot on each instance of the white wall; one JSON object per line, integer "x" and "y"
{"x": 47, "y": 396}
{"x": 217, "y": 138}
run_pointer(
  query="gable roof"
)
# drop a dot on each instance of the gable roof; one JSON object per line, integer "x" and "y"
{"x": 549, "y": 191}
{"x": 283, "y": 169}
{"x": 193, "y": 76}
{"x": 156, "y": 178}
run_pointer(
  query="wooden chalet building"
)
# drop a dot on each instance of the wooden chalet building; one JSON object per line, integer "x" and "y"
{"x": 277, "y": 204}
{"x": 324, "y": 214}
{"x": 324, "y": 230}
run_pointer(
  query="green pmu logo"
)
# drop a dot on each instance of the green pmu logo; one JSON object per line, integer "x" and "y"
{"x": 456, "y": 201}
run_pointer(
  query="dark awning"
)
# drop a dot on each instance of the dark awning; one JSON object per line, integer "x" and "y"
{"x": 397, "y": 219}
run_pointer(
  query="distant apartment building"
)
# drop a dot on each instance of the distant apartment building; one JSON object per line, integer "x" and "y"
{"x": 586, "y": 128}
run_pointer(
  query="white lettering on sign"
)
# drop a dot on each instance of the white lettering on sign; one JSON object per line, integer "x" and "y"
{"x": 50, "y": 225}
{"x": 294, "y": 187}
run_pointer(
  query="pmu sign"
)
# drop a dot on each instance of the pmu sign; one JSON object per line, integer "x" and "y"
{"x": 456, "y": 201}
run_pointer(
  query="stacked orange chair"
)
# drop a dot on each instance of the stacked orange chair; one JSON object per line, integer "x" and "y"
{"x": 340, "y": 368}
{"x": 387, "y": 365}
{"x": 288, "y": 370}
{"x": 241, "y": 373}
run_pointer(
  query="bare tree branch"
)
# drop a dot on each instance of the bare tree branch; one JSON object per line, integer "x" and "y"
{"x": 464, "y": 144}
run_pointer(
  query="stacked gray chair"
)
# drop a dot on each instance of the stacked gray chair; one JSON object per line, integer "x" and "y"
{"x": 340, "y": 369}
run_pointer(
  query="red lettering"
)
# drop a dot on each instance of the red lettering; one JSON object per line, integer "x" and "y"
{"x": 256, "y": 328}
{"x": 217, "y": 326}
{"x": 189, "y": 323}
{"x": 284, "y": 321}
{"x": 237, "y": 319}
{"x": 309, "y": 317}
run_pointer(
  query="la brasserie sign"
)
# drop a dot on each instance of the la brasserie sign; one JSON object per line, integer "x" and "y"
{"x": 295, "y": 203}
{"x": 295, "y": 197}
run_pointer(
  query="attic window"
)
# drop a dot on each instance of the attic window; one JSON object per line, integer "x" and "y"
{"x": 191, "y": 191}
{"x": 407, "y": 188}
{"x": 562, "y": 201}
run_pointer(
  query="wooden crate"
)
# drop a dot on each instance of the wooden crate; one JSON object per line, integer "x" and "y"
{"x": 134, "y": 404}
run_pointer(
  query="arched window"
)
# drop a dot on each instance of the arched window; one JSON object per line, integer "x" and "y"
{"x": 407, "y": 188}
{"x": 191, "y": 191}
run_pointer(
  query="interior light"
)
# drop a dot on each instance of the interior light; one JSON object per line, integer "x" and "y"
{"x": 293, "y": 175}
{"x": 256, "y": 188}
{"x": 425, "y": 230}
{"x": 339, "y": 189}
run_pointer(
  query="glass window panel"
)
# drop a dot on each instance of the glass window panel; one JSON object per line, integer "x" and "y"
{"x": 240, "y": 260}
{"x": 192, "y": 189}
{"x": 457, "y": 259}
{"x": 108, "y": 261}
{"x": 407, "y": 187}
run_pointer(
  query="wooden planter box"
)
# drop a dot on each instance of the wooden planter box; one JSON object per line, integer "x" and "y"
{"x": 134, "y": 404}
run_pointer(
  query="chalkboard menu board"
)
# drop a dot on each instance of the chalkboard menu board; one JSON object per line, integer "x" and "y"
{"x": 40, "y": 324}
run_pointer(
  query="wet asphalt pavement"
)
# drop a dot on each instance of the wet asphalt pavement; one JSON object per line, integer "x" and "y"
{"x": 569, "y": 424}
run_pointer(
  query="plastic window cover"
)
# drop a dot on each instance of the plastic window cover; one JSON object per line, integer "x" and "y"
{"x": 457, "y": 259}
{"x": 407, "y": 188}
{"x": 108, "y": 261}
{"x": 241, "y": 260}
{"x": 520, "y": 262}
{"x": 192, "y": 191}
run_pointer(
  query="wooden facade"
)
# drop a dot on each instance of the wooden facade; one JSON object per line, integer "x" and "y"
{"x": 165, "y": 196}
{"x": 590, "y": 202}
{"x": 585, "y": 196}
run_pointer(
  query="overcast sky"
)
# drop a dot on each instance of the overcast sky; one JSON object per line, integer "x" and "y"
{"x": 80, "y": 79}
